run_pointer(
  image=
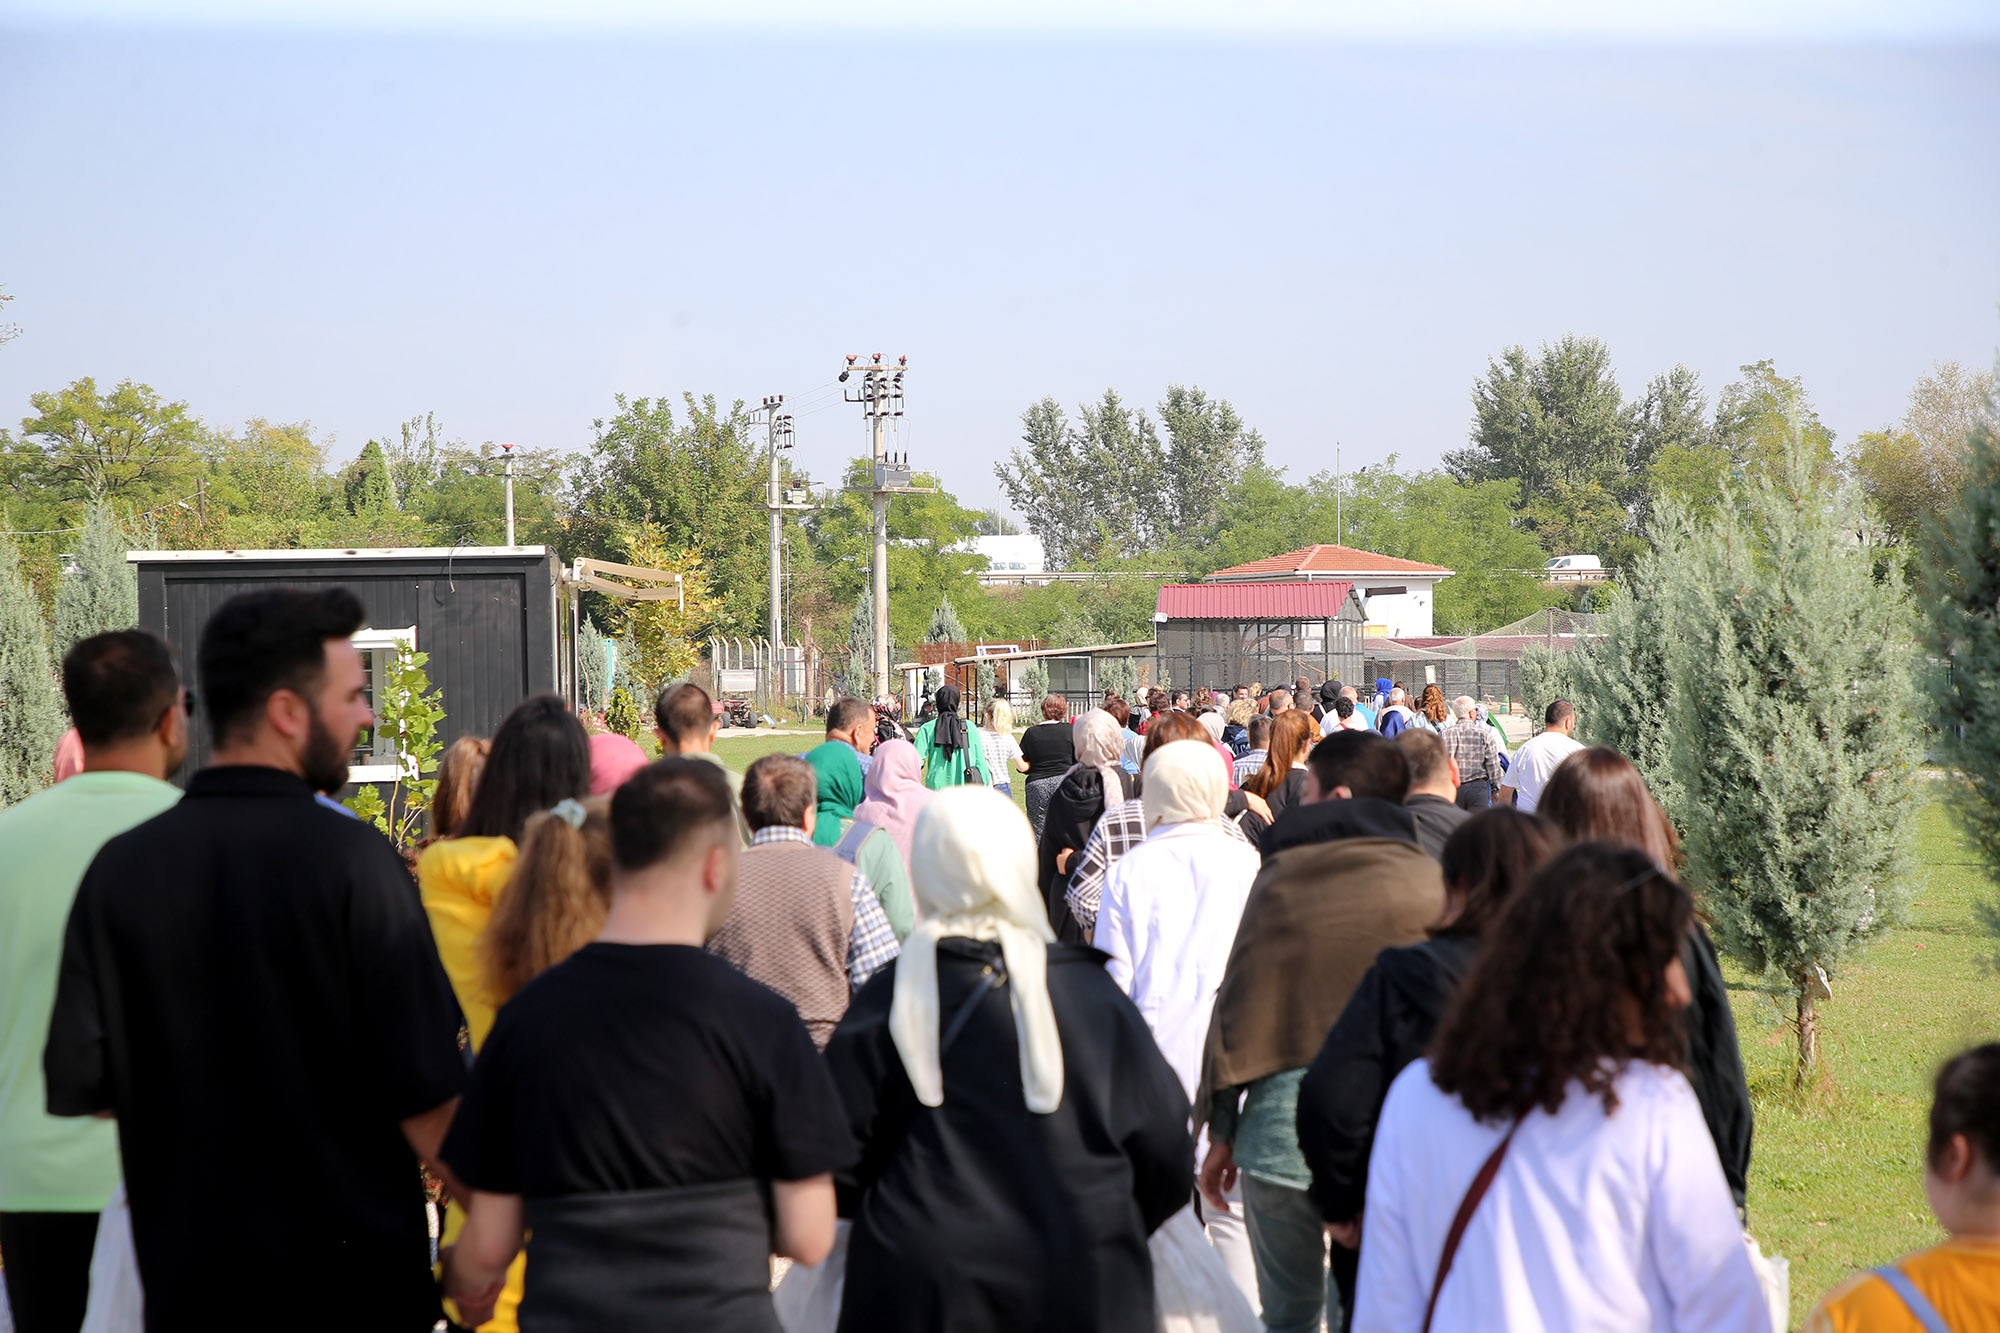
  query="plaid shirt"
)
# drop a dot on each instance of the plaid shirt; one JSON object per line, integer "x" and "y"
{"x": 872, "y": 943}
{"x": 1122, "y": 828}
{"x": 1472, "y": 745}
{"x": 1251, "y": 761}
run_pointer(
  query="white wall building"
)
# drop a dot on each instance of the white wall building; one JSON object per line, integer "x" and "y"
{"x": 1398, "y": 595}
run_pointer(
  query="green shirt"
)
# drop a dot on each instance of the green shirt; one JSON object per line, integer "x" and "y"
{"x": 1264, "y": 1136}
{"x": 973, "y": 757}
{"x": 51, "y": 1165}
{"x": 879, "y": 858}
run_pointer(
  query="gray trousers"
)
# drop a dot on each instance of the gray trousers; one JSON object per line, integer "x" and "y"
{"x": 1039, "y": 793}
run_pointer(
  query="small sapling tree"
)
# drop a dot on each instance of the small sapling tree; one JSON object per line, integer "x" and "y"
{"x": 407, "y": 712}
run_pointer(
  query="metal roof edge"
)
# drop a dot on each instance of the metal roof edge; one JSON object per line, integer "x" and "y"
{"x": 1057, "y": 652}
{"x": 339, "y": 553}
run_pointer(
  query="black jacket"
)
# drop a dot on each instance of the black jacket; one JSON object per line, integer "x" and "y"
{"x": 980, "y": 1215}
{"x": 1074, "y": 809}
{"x": 1436, "y": 819}
{"x": 1385, "y": 1026}
{"x": 1715, "y": 1062}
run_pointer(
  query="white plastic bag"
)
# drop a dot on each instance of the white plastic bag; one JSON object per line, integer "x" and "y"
{"x": 1774, "y": 1274}
{"x": 117, "y": 1304}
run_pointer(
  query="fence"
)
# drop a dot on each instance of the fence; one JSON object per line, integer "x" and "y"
{"x": 1485, "y": 666}
{"x": 794, "y": 675}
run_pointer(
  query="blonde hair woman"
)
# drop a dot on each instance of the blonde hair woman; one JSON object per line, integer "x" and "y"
{"x": 1003, "y": 752}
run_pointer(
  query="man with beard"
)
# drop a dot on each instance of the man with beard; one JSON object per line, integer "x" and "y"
{"x": 249, "y": 985}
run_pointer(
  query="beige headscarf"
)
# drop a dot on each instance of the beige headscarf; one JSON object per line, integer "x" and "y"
{"x": 972, "y": 864}
{"x": 1184, "y": 784}
{"x": 1099, "y": 741}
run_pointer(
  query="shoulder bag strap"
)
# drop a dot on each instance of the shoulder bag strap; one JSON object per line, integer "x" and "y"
{"x": 1920, "y": 1307}
{"x": 1473, "y": 1194}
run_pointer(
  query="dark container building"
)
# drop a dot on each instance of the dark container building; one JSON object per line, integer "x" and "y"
{"x": 487, "y": 616}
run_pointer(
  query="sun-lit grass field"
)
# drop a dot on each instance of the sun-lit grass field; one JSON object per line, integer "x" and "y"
{"x": 1835, "y": 1180}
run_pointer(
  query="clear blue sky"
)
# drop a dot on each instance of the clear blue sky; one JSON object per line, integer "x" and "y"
{"x": 509, "y": 220}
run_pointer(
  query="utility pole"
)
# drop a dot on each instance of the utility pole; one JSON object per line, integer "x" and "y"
{"x": 1336, "y": 495}
{"x": 880, "y": 394}
{"x": 507, "y": 471}
{"x": 779, "y": 427}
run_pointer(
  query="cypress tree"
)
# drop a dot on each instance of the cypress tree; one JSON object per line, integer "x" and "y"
{"x": 1795, "y": 783}
{"x": 593, "y": 673}
{"x": 945, "y": 626}
{"x": 31, "y": 710}
{"x": 859, "y": 678}
{"x": 1548, "y": 674}
{"x": 1962, "y": 597}
{"x": 102, "y": 592}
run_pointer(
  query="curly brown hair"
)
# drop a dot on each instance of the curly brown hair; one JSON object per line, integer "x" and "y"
{"x": 1598, "y": 795}
{"x": 1572, "y": 984}
{"x": 1433, "y": 705}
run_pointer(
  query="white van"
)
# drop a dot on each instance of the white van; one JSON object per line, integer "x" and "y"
{"x": 1574, "y": 564}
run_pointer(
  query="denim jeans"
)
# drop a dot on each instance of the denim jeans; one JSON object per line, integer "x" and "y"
{"x": 1288, "y": 1241}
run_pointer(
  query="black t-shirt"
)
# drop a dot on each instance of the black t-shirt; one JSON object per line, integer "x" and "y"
{"x": 250, "y": 984}
{"x": 1049, "y": 748}
{"x": 645, "y": 1066}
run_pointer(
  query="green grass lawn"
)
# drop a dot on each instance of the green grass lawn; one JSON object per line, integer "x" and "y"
{"x": 1836, "y": 1175}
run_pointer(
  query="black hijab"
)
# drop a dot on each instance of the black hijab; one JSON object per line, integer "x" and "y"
{"x": 949, "y": 735}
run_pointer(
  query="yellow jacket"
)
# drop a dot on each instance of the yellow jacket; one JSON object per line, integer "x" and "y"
{"x": 461, "y": 879}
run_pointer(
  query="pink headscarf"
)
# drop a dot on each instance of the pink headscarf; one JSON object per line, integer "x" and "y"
{"x": 613, "y": 758}
{"x": 896, "y": 793}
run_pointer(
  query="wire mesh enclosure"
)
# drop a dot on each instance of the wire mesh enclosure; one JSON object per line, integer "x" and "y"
{"x": 1197, "y": 653}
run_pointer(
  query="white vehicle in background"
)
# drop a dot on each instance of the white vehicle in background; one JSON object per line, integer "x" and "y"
{"x": 1574, "y": 569}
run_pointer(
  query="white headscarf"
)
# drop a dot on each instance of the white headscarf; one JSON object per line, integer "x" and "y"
{"x": 972, "y": 865}
{"x": 1184, "y": 784}
{"x": 1212, "y": 724}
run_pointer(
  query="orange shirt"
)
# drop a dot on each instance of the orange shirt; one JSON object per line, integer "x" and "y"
{"x": 1961, "y": 1278}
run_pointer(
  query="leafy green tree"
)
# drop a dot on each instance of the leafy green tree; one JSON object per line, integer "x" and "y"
{"x": 125, "y": 445}
{"x": 1915, "y": 470}
{"x": 945, "y": 626}
{"x": 1035, "y": 680}
{"x": 1091, "y": 488}
{"x": 928, "y": 559}
{"x": 101, "y": 592}
{"x": 1794, "y": 791}
{"x": 1207, "y": 443}
{"x": 1119, "y": 676}
{"x": 1549, "y": 674}
{"x": 365, "y": 482}
{"x": 696, "y": 478}
{"x": 1558, "y": 416}
{"x": 993, "y": 523}
{"x": 1762, "y": 416}
{"x": 1962, "y": 593}
{"x": 31, "y": 714}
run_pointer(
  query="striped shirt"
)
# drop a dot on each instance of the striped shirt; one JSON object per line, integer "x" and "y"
{"x": 872, "y": 943}
{"x": 1122, "y": 828}
{"x": 1251, "y": 761}
{"x": 1001, "y": 752}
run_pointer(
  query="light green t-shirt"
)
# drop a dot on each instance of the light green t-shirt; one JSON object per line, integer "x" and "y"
{"x": 50, "y": 1164}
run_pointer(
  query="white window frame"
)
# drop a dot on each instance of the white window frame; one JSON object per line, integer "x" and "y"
{"x": 381, "y": 638}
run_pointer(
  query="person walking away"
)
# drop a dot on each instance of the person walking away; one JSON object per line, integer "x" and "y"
{"x": 458, "y": 772}
{"x": 1538, "y": 757}
{"x": 1050, "y": 751}
{"x": 804, "y": 923}
{"x": 1959, "y": 1280}
{"x": 1432, "y": 711}
{"x": 648, "y": 1120}
{"x": 1021, "y": 1133}
{"x": 686, "y": 722}
{"x": 1003, "y": 752}
{"x": 1168, "y": 917}
{"x": 1432, "y": 800}
{"x": 895, "y": 795}
{"x": 1383, "y": 686}
{"x": 1597, "y": 795}
{"x": 870, "y": 850}
{"x": 57, "y": 1175}
{"x": 613, "y": 758}
{"x": 1299, "y": 953}
{"x": 248, "y": 977}
{"x": 1123, "y": 826}
{"x": 851, "y": 722}
{"x": 1396, "y": 1010}
{"x": 1396, "y": 714}
{"x": 1281, "y": 782}
{"x": 1551, "y": 1134}
{"x": 889, "y": 720}
{"x": 557, "y": 900}
{"x": 952, "y": 752}
{"x": 1096, "y": 782}
{"x": 1305, "y": 700}
{"x": 540, "y": 756}
{"x": 1475, "y": 750}
{"x": 1132, "y": 751}
{"x": 1236, "y": 727}
{"x": 1258, "y": 733}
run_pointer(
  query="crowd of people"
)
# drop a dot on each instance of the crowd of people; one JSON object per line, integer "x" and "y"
{"x": 1280, "y": 1009}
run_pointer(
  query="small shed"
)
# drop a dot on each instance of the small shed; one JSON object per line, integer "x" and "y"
{"x": 488, "y": 616}
{"x": 1229, "y": 634}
